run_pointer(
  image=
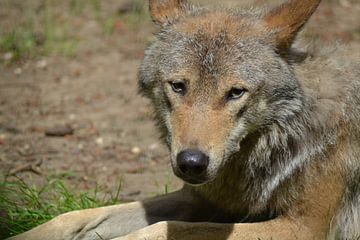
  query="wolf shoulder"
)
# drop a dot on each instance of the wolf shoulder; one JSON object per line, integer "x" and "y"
{"x": 330, "y": 76}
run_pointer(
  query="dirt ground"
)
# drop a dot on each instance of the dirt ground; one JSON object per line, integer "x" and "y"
{"x": 94, "y": 93}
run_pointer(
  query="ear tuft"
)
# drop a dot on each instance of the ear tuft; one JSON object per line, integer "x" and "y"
{"x": 288, "y": 19}
{"x": 166, "y": 11}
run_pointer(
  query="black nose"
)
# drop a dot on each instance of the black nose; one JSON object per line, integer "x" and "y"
{"x": 192, "y": 163}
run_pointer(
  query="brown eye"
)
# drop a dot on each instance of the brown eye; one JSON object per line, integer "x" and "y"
{"x": 178, "y": 87}
{"x": 235, "y": 93}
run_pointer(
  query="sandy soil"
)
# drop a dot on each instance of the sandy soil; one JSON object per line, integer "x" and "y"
{"x": 95, "y": 94}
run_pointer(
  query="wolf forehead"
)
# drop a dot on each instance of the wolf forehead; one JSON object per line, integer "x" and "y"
{"x": 213, "y": 45}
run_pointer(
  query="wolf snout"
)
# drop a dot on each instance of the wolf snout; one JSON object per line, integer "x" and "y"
{"x": 192, "y": 163}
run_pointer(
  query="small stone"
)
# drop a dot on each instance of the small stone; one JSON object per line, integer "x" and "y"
{"x": 8, "y": 56}
{"x": 135, "y": 150}
{"x": 154, "y": 146}
{"x": 17, "y": 71}
{"x": 2, "y": 139}
{"x": 99, "y": 141}
{"x": 345, "y": 3}
{"x": 41, "y": 64}
{"x": 72, "y": 116}
{"x": 59, "y": 131}
{"x": 126, "y": 7}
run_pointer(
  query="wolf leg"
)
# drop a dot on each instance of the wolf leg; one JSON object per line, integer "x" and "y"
{"x": 113, "y": 221}
{"x": 280, "y": 229}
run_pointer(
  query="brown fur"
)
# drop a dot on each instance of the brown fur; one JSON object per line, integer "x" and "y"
{"x": 215, "y": 22}
{"x": 288, "y": 19}
{"x": 164, "y": 11}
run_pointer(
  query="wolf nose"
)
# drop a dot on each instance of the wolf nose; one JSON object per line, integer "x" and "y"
{"x": 192, "y": 162}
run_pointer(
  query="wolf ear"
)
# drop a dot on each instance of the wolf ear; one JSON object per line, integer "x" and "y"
{"x": 288, "y": 19}
{"x": 165, "y": 11}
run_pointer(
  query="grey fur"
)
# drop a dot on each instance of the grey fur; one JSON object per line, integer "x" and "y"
{"x": 292, "y": 130}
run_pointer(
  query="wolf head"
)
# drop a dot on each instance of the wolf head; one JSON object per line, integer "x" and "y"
{"x": 216, "y": 77}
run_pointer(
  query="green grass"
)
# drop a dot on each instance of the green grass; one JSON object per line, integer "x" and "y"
{"x": 27, "y": 206}
{"x": 37, "y": 32}
{"x": 48, "y": 28}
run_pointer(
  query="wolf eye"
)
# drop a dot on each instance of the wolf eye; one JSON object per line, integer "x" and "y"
{"x": 178, "y": 87}
{"x": 235, "y": 93}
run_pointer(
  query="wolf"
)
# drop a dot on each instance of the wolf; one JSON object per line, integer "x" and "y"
{"x": 264, "y": 134}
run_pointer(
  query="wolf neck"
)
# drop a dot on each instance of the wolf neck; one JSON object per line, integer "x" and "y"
{"x": 270, "y": 163}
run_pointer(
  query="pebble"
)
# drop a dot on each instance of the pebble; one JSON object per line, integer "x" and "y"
{"x": 72, "y": 116}
{"x": 135, "y": 150}
{"x": 2, "y": 139}
{"x": 41, "y": 64}
{"x": 59, "y": 131}
{"x": 8, "y": 56}
{"x": 99, "y": 141}
{"x": 345, "y": 3}
{"x": 154, "y": 146}
{"x": 18, "y": 71}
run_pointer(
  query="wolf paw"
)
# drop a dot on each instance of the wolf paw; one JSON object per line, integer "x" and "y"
{"x": 156, "y": 231}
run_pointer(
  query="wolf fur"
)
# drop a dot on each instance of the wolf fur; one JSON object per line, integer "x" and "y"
{"x": 284, "y": 159}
